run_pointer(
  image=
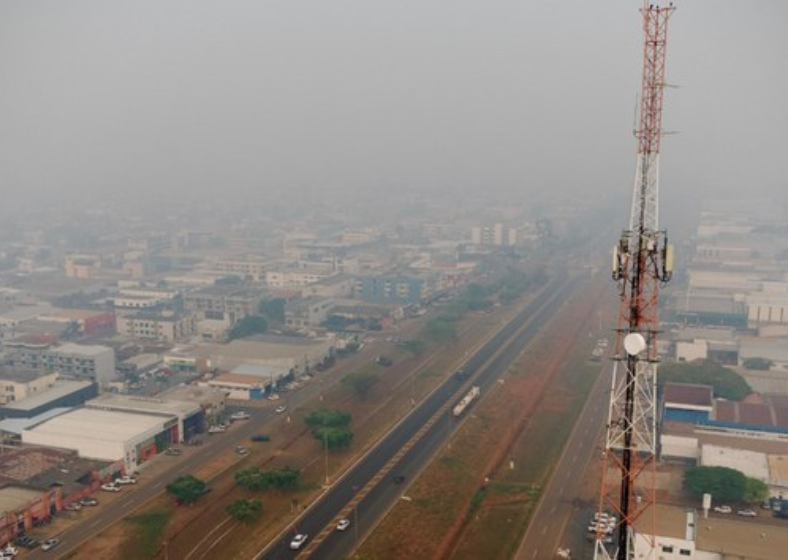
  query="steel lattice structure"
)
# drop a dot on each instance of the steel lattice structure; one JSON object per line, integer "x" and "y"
{"x": 642, "y": 262}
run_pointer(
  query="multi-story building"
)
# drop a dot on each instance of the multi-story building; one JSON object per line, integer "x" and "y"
{"x": 81, "y": 266}
{"x": 166, "y": 326}
{"x": 394, "y": 289}
{"x": 222, "y": 303}
{"x": 296, "y": 277}
{"x": 250, "y": 269}
{"x": 70, "y": 361}
{"x": 17, "y": 384}
{"x": 309, "y": 312}
{"x": 142, "y": 299}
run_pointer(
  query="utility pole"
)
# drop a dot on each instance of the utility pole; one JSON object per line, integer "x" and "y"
{"x": 642, "y": 262}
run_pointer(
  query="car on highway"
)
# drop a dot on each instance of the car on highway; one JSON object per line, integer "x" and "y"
{"x": 723, "y": 509}
{"x": 111, "y": 487}
{"x": 747, "y": 513}
{"x": 240, "y": 415}
{"x": 241, "y": 450}
{"x": 298, "y": 541}
{"x": 399, "y": 479}
{"x": 343, "y": 524}
{"x": 125, "y": 479}
{"x": 49, "y": 544}
{"x": 281, "y": 408}
{"x": 261, "y": 437}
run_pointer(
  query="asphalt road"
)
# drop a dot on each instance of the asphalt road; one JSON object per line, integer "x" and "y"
{"x": 373, "y": 476}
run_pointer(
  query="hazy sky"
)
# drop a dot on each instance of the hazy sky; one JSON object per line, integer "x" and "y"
{"x": 231, "y": 96}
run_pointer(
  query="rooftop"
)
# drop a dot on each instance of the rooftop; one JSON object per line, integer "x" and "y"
{"x": 102, "y": 425}
{"x": 19, "y": 375}
{"x": 61, "y": 388}
{"x": 686, "y": 394}
{"x": 166, "y": 406}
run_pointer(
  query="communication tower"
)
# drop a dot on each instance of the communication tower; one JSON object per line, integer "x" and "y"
{"x": 642, "y": 262}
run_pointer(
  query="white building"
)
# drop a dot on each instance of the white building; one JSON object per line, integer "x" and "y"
{"x": 104, "y": 434}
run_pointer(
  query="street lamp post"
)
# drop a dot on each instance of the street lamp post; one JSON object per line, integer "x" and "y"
{"x": 325, "y": 450}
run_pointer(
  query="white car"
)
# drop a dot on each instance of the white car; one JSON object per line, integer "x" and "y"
{"x": 110, "y": 487}
{"x": 273, "y": 397}
{"x": 298, "y": 541}
{"x": 125, "y": 480}
{"x": 240, "y": 415}
{"x": 49, "y": 544}
{"x": 343, "y": 524}
{"x": 723, "y": 509}
{"x": 746, "y": 513}
{"x": 281, "y": 408}
{"x": 9, "y": 551}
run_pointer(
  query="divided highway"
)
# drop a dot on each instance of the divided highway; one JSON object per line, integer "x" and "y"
{"x": 366, "y": 492}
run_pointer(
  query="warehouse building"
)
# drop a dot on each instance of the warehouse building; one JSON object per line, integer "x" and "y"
{"x": 107, "y": 435}
{"x": 190, "y": 415}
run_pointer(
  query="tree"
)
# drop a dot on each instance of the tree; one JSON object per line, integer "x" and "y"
{"x": 360, "y": 383}
{"x": 245, "y": 511}
{"x": 258, "y": 480}
{"x": 755, "y": 491}
{"x": 723, "y": 483}
{"x": 248, "y": 326}
{"x": 253, "y": 479}
{"x": 327, "y": 418}
{"x": 273, "y": 310}
{"x": 334, "y": 438}
{"x": 727, "y": 384}
{"x": 187, "y": 489}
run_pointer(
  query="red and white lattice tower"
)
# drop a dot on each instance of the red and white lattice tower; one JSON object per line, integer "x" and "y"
{"x": 642, "y": 261}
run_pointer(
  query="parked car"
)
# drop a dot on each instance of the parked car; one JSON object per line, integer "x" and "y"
{"x": 49, "y": 544}
{"x": 26, "y": 541}
{"x": 261, "y": 437}
{"x": 281, "y": 408}
{"x": 76, "y": 506}
{"x": 723, "y": 509}
{"x": 9, "y": 551}
{"x": 172, "y": 451}
{"x": 218, "y": 429}
{"x": 747, "y": 513}
{"x": 240, "y": 415}
{"x": 125, "y": 479}
{"x": 384, "y": 361}
{"x": 343, "y": 524}
{"x": 298, "y": 541}
{"x": 273, "y": 397}
{"x": 111, "y": 487}
{"x": 88, "y": 501}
